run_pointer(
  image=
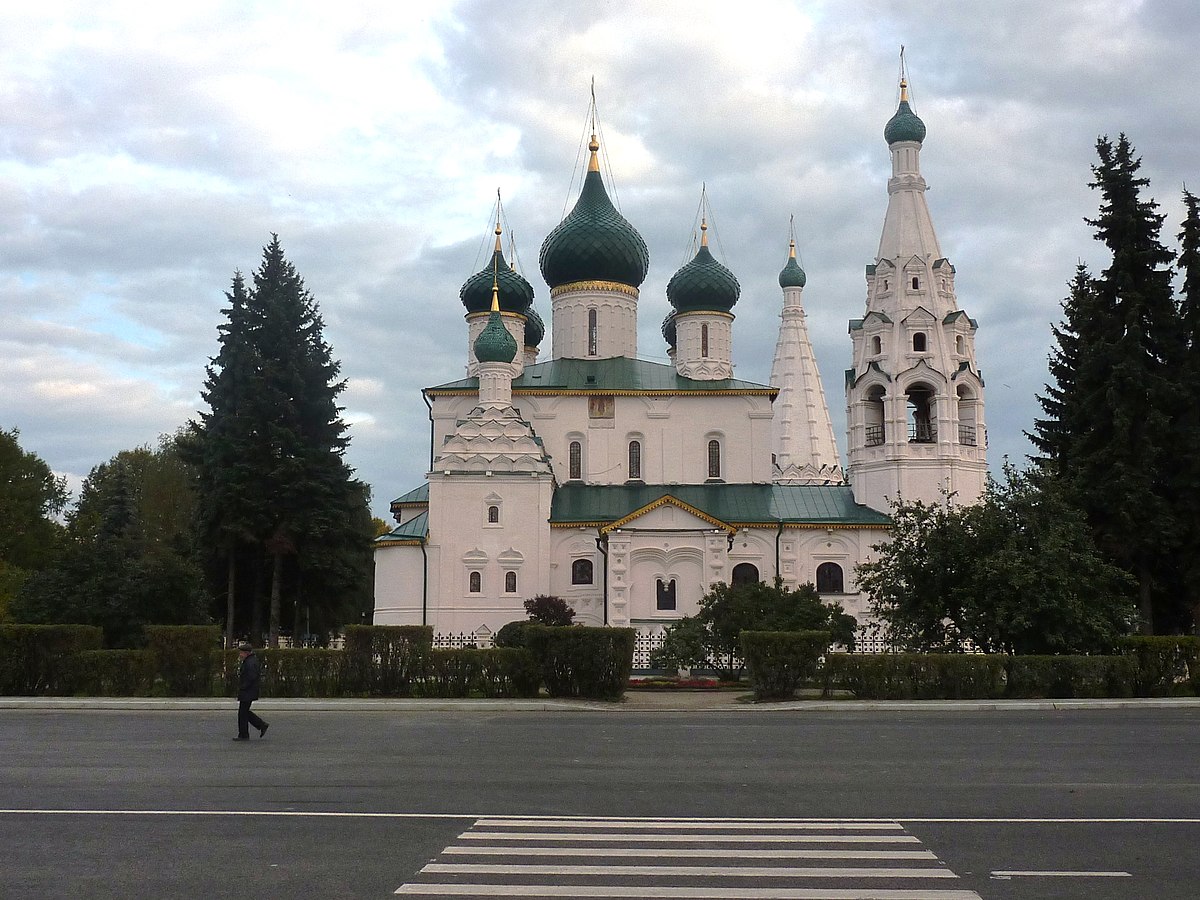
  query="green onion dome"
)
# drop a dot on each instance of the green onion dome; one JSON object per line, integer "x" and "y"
{"x": 535, "y": 328}
{"x": 904, "y": 125}
{"x": 668, "y": 329}
{"x": 703, "y": 283}
{"x": 516, "y": 294}
{"x": 594, "y": 242}
{"x": 494, "y": 343}
{"x": 792, "y": 275}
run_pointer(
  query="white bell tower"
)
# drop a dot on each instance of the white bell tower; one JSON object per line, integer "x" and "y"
{"x": 914, "y": 397}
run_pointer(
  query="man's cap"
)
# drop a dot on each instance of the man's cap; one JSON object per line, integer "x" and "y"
{"x": 243, "y": 646}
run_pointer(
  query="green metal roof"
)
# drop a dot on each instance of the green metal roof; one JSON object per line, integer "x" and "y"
{"x": 416, "y": 495}
{"x": 905, "y": 125}
{"x": 494, "y": 343}
{"x": 607, "y": 376}
{"x": 414, "y": 530}
{"x": 703, "y": 284}
{"x": 732, "y": 504}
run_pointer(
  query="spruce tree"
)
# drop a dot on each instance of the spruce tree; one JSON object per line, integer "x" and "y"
{"x": 274, "y": 480}
{"x": 1187, "y": 480}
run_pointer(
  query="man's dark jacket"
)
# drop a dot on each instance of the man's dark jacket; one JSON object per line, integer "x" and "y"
{"x": 249, "y": 676}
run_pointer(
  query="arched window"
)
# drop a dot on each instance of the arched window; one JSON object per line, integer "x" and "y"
{"x": 665, "y": 591}
{"x": 475, "y": 580}
{"x": 829, "y": 579}
{"x": 575, "y": 461}
{"x": 493, "y": 514}
{"x": 704, "y": 339}
{"x": 745, "y": 573}
{"x": 592, "y": 332}
{"x": 714, "y": 459}
{"x": 635, "y": 460}
{"x": 919, "y": 342}
{"x": 873, "y": 416}
{"x": 916, "y": 283}
{"x": 510, "y": 582}
{"x": 581, "y": 571}
{"x": 922, "y": 421}
{"x": 960, "y": 344}
{"x": 876, "y": 345}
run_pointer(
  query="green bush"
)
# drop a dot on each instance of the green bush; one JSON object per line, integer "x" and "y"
{"x": 1165, "y": 665}
{"x": 580, "y": 661}
{"x": 779, "y": 661}
{"x": 383, "y": 660}
{"x": 301, "y": 672}
{"x": 1070, "y": 677}
{"x": 509, "y": 672}
{"x": 34, "y": 658}
{"x": 916, "y": 676}
{"x": 112, "y": 673}
{"x": 450, "y": 673}
{"x": 513, "y": 634}
{"x": 186, "y": 655}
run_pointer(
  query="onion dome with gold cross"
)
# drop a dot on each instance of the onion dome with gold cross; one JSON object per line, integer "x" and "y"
{"x": 792, "y": 275}
{"x": 516, "y": 294}
{"x": 494, "y": 343}
{"x": 594, "y": 243}
{"x": 904, "y": 125}
{"x": 703, "y": 284}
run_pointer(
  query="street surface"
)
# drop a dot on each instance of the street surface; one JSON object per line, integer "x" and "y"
{"x": 755, "y": 803}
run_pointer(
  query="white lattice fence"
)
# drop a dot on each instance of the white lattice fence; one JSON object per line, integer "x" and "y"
{"x": 462, "y": 640}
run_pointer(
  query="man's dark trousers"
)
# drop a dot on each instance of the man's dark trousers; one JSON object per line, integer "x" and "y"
{"x": 246, "y": 718}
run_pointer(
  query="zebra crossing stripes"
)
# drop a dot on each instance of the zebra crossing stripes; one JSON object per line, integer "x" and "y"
{"x": 686, "y": 859}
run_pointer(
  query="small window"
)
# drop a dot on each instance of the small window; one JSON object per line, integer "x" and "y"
{"x": 592, "y": 332}
{"x": 885, "y": 284}
{"x": 829, "y": 579}
{"x": 960, "y": 344}
{"x": 510, "y": 582}
{"x": 493, "y": 514}
{"x": 475, "y": 580}
{"x": 714, "y": 459}
{"x": 916, "y": 283}
{"x": 665, "y": 591}
{"x": 876, "y": 345}
{"x": 581, "y": 571}
{"x": 575, "y": 461}
{"x": 635, "y": 460}
{"x": 919, "y": 342}
{"x": 704, "y": 339}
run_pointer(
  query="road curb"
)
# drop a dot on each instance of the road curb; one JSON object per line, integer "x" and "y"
{"x": 630, "y": 704}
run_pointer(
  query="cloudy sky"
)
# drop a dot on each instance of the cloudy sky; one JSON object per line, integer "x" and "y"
{"x": 147, "y": 151}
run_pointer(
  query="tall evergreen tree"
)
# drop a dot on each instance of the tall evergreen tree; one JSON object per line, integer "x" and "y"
{"x": 1186, "y": 458}
{"x": 277, "y": 495}
{"x": 1109, "y": 429}
{"x": 31, "y": 496}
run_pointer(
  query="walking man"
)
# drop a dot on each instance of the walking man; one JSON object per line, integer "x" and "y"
{"x": 249, "y": 676}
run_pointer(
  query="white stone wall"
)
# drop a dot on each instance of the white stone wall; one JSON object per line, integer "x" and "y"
{"x": 616, "y": 324}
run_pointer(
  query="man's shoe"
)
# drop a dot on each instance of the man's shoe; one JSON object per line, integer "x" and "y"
{"x": 262, "y": 732}
{"x": 240, "y": 738}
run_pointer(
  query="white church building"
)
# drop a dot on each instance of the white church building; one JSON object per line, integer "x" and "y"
{"x": 627, "y": 487}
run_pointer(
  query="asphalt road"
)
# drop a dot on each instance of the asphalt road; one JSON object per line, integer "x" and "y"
{"x": 358, "y": 804}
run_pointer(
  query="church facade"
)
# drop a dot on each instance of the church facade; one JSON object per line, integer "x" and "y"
{"x": 627, "y": 487}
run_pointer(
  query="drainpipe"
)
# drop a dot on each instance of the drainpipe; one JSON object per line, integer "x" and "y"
{"x": 424, "y": 584}
{"x": 778, "y": 532}
{"x": 602, "y": 546}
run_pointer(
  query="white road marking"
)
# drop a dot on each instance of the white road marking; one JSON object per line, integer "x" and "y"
{"x": 700, "y": 853}
{"x": 707, "y": 871}
{"x": 678, "y": 893}
{"x": 705, "y": 837}
{"x": 691, "y": 824}
{"x": 1013, "y": 873}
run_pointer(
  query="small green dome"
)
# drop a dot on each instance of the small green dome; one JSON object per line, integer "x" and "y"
{"x": 792, "y": 275}
{"x": 594, "y": 242}
{"x": 703, "y": 284}
{"x": 494, "y": 343}
{"x": 535, "y": 328}
{"x": 668, "y": 329}
{"x": 905, "y": 125}
{"x": 516, "y": 294}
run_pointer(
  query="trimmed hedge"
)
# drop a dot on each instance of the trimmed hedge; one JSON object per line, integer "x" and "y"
{"x": 583, "y": 661}
{"x": 383, "y": 660}
{"x": 113, "y": 673}
{"x": 1070, "y": 677}
{"x": 1165, "y": 665}
{"x": 300, "y": 672}
{"x": 916, "y": 676}
{"x": 186, "y": 655}
{"x": 34, "y": 658}
{"x": 780, "y": 661}
{"x": 501, "y": 672}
